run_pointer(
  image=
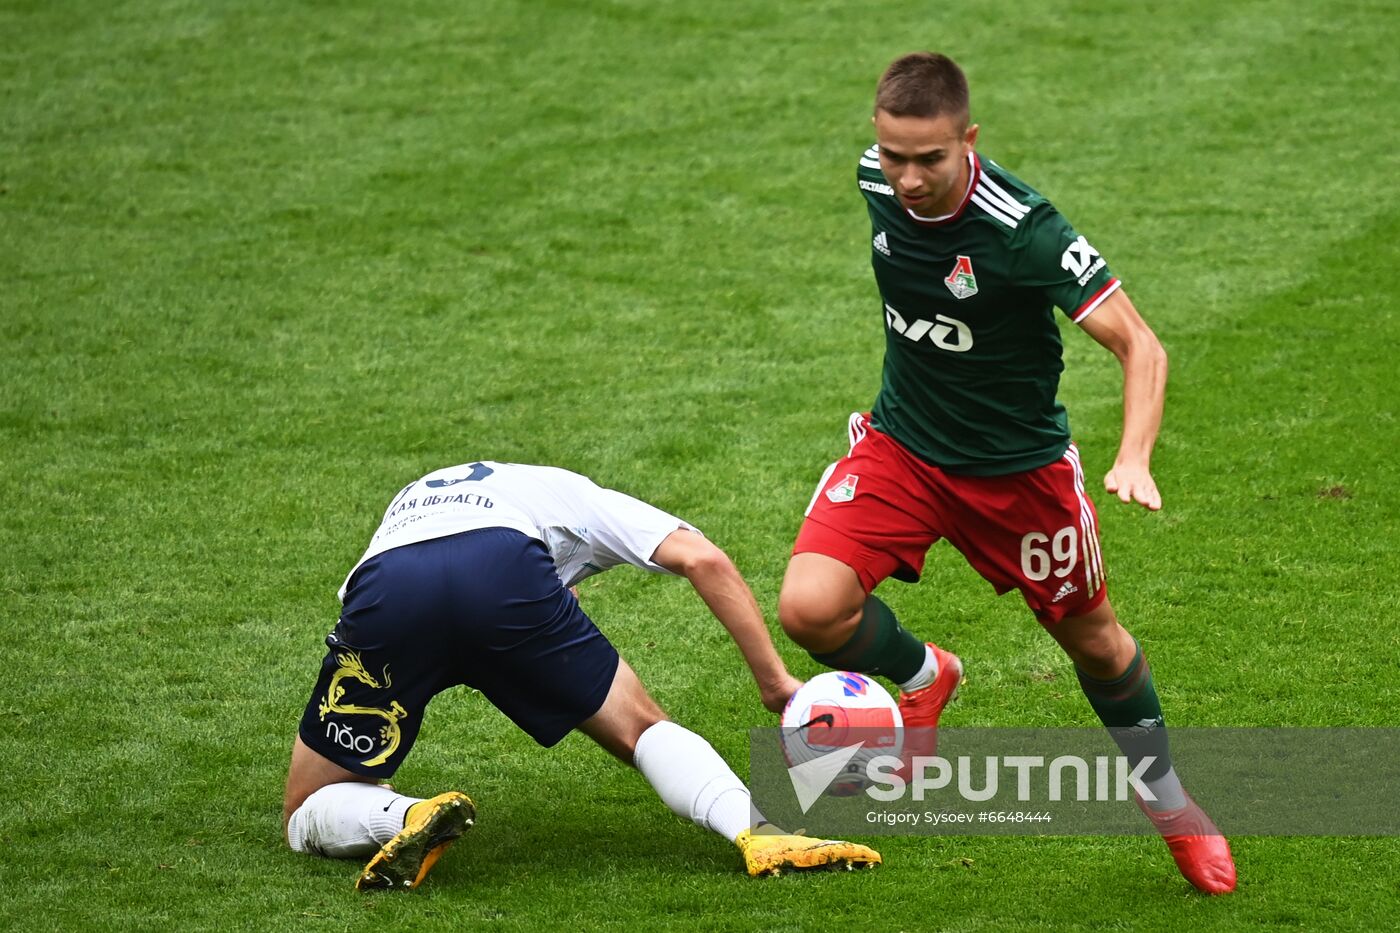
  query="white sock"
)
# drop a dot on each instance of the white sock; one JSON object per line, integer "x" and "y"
{"x": 1168, "y": 791}
{"x": 926, "y": 675}
{"x": 690, "y": 777}
{"x": 348, "y": 820}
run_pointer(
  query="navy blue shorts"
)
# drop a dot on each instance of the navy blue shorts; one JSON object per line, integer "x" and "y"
{"x": 483, "y": 608}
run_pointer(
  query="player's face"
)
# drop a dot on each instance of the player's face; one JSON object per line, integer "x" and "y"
{"x": 925, "y": 159}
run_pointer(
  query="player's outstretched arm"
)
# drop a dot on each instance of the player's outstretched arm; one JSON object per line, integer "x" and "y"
{"x": 1117, "y": 325}
{"x": 719, "y": 584}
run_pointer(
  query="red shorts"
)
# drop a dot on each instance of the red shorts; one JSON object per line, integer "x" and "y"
{"x": 880, "y": 509}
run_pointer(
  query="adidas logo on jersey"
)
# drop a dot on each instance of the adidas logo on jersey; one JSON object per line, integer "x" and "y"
{"x": 1067, "y": 589}
{"x": 881, "y": 243}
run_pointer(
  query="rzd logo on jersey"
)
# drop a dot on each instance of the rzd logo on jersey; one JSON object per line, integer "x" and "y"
{"x": 946, "y": 333}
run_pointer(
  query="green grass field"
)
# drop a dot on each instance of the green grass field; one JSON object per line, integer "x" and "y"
{"x": 263, "y": 263}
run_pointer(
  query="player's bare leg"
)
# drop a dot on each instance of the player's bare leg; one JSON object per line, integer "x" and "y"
{"x": 330, "y": 811}
{"x": 824, "y": 608}
{"x": 626, "y": 714}
{"x": 1095, "y": 641}
{"x": 821, "y": 602}
{"x": 692, "y": 779}
{"x": 1118, "y": 684}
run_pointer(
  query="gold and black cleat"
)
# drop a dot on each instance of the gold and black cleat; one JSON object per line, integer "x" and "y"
{"x": 429, "y": 828}
{"x": 772, "y": 854}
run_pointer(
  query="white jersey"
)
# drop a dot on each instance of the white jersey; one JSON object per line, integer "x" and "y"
{"x": 585, "y": 527}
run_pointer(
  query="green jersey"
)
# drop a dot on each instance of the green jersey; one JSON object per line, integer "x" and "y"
{"x": 972, "y": 354}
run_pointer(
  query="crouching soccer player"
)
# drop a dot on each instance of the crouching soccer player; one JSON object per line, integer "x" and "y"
{"x": 467, "y": 581}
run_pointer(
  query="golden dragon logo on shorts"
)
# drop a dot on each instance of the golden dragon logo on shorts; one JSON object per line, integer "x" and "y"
{"x": 351, "y": 666}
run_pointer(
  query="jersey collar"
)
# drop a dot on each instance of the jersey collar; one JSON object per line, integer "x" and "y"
{"x": 975, "y": 164}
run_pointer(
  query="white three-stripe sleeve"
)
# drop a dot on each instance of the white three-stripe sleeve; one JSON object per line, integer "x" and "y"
{"x": 998, "y": 195}
{"x": 996, "y": 212}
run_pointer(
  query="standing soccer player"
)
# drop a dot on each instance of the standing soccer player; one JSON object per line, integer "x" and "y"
{"x": 467, "y": 581}
{"x": 967, "y": 440}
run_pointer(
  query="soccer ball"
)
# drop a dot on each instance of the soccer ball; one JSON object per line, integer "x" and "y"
{"x": 836, "y": 710}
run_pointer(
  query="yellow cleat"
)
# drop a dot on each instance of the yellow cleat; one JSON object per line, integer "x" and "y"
{"x": 429, "y": 828}
{"x": 772, "y": 854}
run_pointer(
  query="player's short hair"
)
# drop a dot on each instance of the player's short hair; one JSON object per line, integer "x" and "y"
{"x": 923, "y": 84}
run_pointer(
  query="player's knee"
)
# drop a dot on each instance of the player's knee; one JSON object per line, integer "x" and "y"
{"x": 798, "y": 615}
{"x": 627, "y": 739}
{"x": 620, "y": 736}
{"x": 626, "y": 713}
{"x": 1095, "y": 658}
{"x": 641, "y": 715}
{"x": 811, "y": 620}
{"x": 1103, "y": 653}
{"x": 820, "y": 603}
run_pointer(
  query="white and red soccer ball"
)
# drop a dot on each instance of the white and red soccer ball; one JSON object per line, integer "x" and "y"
{"x": 836, "y": 710}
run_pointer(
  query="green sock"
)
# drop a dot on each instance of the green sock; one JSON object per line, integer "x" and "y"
{"x": 880, "y": 646}
{"x": 1129, "y": 707}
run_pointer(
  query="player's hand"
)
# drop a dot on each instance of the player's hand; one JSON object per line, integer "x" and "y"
{"x": 1133, "y": 483}
{"x": 775, "y": 695}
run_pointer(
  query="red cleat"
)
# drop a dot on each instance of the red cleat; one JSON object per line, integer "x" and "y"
{"x": 921, "y": 709}
{"x": 1199, "y": 849}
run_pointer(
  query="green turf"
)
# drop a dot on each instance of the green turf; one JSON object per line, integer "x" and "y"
{"x": 263, "y": 263}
